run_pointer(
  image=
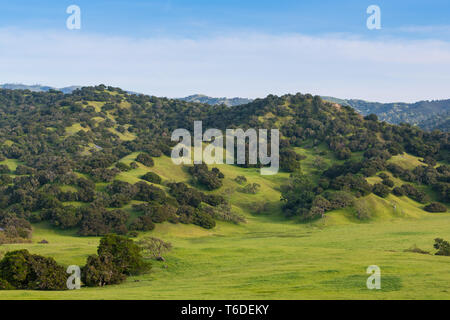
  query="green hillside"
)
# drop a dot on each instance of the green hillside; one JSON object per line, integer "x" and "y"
{"x": 351, "y": 193}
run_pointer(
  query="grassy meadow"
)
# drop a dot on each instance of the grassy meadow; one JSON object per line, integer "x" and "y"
{"x": 271, "y": 257}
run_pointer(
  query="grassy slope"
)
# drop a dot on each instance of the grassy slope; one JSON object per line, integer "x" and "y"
{"x": 270, "y": 257}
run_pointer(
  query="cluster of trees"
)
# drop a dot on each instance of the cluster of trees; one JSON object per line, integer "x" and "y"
{"x": 193, "y": 203}
{"x": 23, "y": 270}
{"x": 308, "y": 202}
{"x": 117, "y": 257}
{"x": 435, "y": 207}
{"x": 14, "y": 229}
{"x": 152, "y": 177}
{"x": 210, "y": 179}
{"x": 411, "y": 192}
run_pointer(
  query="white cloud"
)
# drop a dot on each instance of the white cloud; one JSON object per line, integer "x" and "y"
{"x": 248, "y": 65}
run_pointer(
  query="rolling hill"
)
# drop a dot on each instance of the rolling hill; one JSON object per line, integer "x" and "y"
{"x": 353, "y": 194}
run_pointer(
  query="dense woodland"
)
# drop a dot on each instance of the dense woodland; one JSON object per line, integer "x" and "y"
{"x": 68, "y": 144}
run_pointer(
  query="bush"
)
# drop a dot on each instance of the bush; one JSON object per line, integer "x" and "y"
{"x": 213, "y": 200}
{"x": 442, "y": 246}
{"x": 388, "y": 182}
{"x": 398, "y": 191}
{"x": 142, "y": 223}
{"x": 147, "y": 192}
{"x": 240, "y": 179}
{"x": 203, "y": 220}
{"x": 339, "y": 199}
{"x": 145, "y": 159}
{"x": 381, "y": 190}
{"x": 123, "y": 167}
{"x": 4, "y": 169}
{"x": 435, "y": 207}
{"x": 152, "y": 177}
{"x": 23, "y": 270}
{"x": 15, "y": 230}
{"x": 5, "y": 285}
{"x": 186, "y": 195}
{"x": 251, "y": 188}
{"x": 362, "y": 211}
{"x": 210, "y": 179}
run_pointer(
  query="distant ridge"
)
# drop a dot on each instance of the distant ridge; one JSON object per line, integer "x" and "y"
{"x": 428, "y": 115}
{"x": 37, "y": 87}
{"x": 216, "y": 101}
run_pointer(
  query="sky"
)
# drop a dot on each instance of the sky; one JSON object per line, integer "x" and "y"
{"x": 232, "y": 48}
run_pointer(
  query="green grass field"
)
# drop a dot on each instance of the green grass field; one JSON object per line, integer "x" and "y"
{"x": 270, "y": 257}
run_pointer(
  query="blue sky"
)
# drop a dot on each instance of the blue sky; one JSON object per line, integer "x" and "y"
{"x": 232, "y": 48}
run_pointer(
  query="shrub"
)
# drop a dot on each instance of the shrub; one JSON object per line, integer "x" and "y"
{"x": 123, "y": 167}
{"x": 134, "y": 165}
{"x": 381, "y": 190}
{"x": 339, "y": 199}
{"x": 435, "y": 207}
{"x": 388, "y": 182}
{"x": 203, "y": 220}
{"x": 223, "y": 213}
{"x": 186, "y": 214}
{"x": 362, "y": 211}
{"x": 240, "y": 179}
{"x": 145, "y": 159}
{"x": 4, "y": 169}
{"x": 210, "y": 179}
{"x": 152, "y": 177}
{"x": 251, "y": 188}
{"x": 15, "y": 230}
{"x": 416, "y": 249}
{"x": 213, "y": 200}
{"x": 398, "y": 191}
{"x": 147, "y": 192}
{"x": 442, "y": 246}
{"x": 5, "y": 285}
{"x": 142, "y": 223}
{"x": 186, "y": 195}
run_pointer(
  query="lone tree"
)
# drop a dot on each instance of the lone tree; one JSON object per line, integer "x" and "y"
{"x": 154, "y": 247}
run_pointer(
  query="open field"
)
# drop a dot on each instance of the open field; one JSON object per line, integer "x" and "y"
{"x": 271, "y": 257}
